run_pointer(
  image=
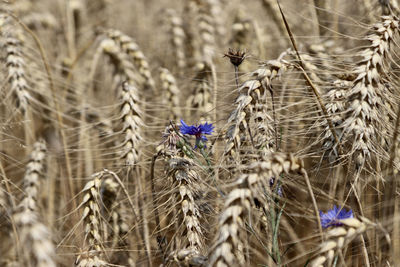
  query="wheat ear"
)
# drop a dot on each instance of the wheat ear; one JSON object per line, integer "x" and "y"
{"x": 365, "y": 100}
{"x": 119, "y": 59}
{"x": 200, "y": 101}
{"x": 34, "y": 237}
{"x": 241, "y": 31}
{"x": 128, "y": 46}
{"x": 15, "y": 63}
{"x": 37, "y": 21}
{"x": 132, "y": 122}
{"x": 171, "y": 92}
{"x": 337, "y": 239}
{"x": 336, "y": 108}
{"x": 239, "y": 202}
{"x": 250, "y": 100}
{"x": 271, "y": 7}
{"x": 177, "y": 39}
{"x": 117, "y": 228}
{"x": 206, "y": 28}
{"x": 92, "y": 254}
{"x": 189, "y": 238}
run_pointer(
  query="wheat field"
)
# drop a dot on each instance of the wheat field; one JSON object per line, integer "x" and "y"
{"x": 199, "y": 133}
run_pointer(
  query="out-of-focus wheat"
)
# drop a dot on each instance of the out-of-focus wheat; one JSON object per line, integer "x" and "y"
{"x": 35, "y": 238}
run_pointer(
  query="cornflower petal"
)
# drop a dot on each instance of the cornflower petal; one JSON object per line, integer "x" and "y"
{"x": 199, "y": 131}
{"x": 332, "y": 217}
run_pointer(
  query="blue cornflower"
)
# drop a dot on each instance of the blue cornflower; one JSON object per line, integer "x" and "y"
{"x": 197, "y": 130}
{"x": 332, "y": 217}
{"x": 278, "y": 189}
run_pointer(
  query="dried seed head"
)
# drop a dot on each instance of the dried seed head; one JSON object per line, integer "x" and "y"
{"x": 236, "y": 56}
{"x": 170, "y": 139}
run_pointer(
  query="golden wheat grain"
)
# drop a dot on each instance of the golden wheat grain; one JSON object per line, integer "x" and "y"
{"x": 119, "y": 59}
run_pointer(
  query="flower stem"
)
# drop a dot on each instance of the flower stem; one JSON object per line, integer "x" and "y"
{"x": 237, "y": 76}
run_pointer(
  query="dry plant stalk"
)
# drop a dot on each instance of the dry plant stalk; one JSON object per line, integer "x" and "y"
{"x": 3, "y": 201}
